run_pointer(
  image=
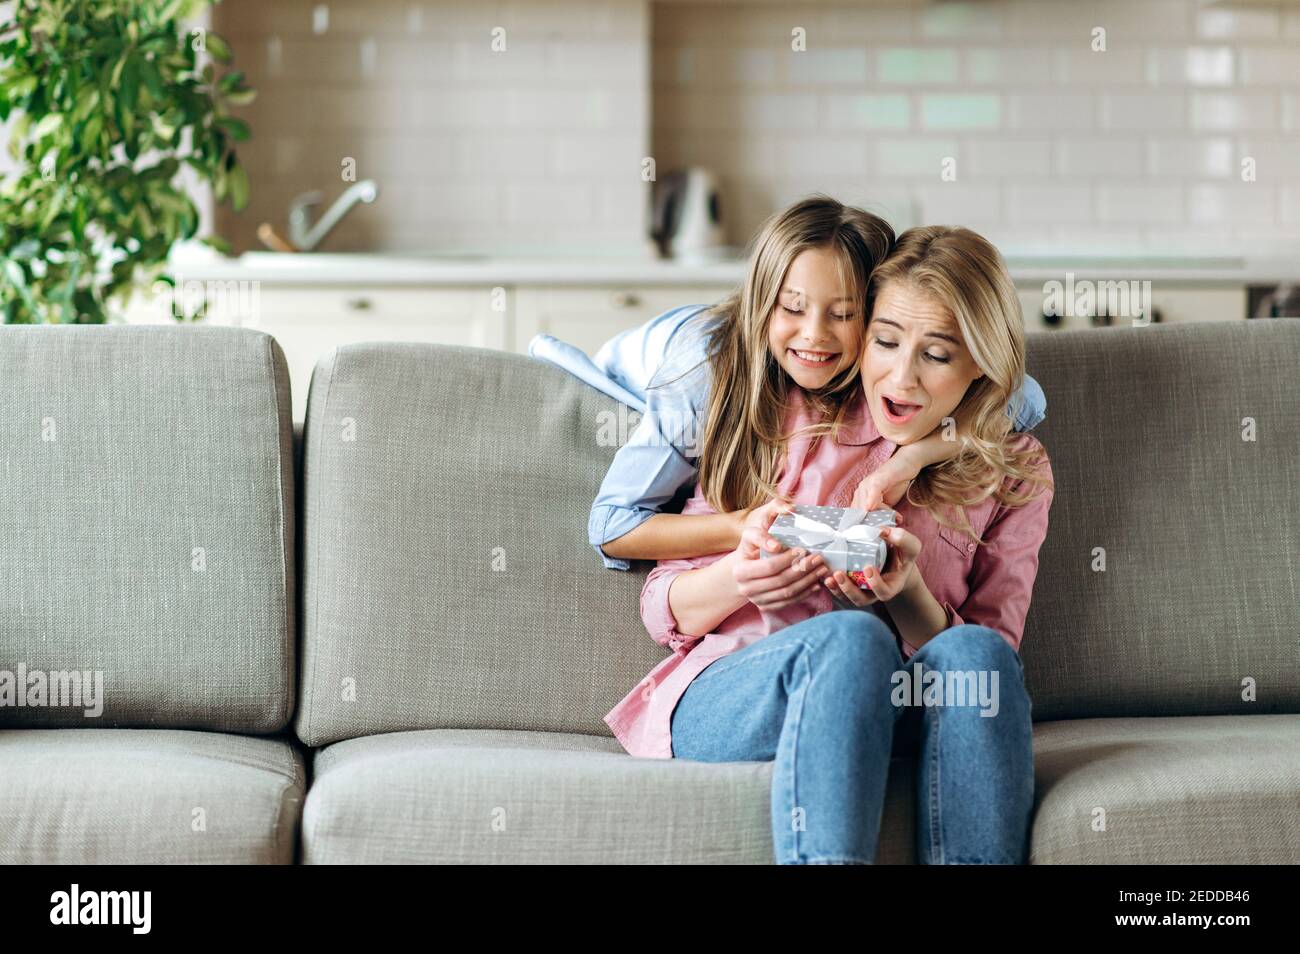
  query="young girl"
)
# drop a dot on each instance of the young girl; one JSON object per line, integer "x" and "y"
{"x": 667, "y": 370}
{"x": 761, "y": 672}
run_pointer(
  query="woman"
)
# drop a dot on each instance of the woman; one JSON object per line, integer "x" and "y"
{"x": 763, "y": 669}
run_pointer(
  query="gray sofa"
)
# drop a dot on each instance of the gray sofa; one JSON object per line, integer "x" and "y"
{"x": 457, "y": 641}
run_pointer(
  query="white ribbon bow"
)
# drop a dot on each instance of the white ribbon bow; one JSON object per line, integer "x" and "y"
{"x": 833, "y": 542}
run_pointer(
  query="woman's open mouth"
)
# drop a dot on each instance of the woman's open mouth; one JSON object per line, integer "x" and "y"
{"x": 898, "y": 412}
{"x": 814, "y": 359}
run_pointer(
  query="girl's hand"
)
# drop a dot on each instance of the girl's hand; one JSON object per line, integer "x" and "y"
{"x": 760, "y": 516}
{"x": 899, "y": 574}
{"x": 763, "y": 517}
{"x": 780, "y": 580}
{"x": 887, "y": 484}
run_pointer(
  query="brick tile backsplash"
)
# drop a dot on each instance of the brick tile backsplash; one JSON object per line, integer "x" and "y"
{"x": 1140, "y": 144}
{"x": 542, "y": 145}
{"x": 537, "y": 146}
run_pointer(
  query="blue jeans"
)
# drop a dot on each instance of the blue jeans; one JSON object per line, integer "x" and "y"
{"x": 818, "y": 699}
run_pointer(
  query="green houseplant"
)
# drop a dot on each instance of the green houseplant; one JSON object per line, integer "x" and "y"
{"x": 107, "y": 100}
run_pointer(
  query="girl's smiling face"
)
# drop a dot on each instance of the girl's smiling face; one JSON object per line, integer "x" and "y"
{"x": 915, "y": 366}
{"x": 816, "y": 328}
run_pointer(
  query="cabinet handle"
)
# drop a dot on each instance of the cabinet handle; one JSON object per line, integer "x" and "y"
{"x": 625, "y": 299}
{"x": 359, "y": 304}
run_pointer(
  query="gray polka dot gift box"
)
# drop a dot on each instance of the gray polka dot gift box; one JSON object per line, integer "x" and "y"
{"x": 847, "y": 538}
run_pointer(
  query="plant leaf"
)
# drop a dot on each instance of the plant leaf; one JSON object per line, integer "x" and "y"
{"x": 130, "y": 83}
{"x": 218, "y": 243}
{"x": 217, "y": 47}
{"x": 47, "y": 125}
{"x": 238, "y": 188}
{"x": 237, "y": 128}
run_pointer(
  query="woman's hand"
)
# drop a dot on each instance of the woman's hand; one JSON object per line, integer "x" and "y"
{"x": 899, "y": 573}
{"x": 886, "y": 485}
{"x": 787, "y": 576}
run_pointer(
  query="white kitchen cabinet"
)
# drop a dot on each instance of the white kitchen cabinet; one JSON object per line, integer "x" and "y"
{"x": 588, "y": 317}
{"x": 308, "y": 321}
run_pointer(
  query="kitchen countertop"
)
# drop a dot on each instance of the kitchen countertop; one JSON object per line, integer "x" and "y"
{"x": 391, "y": 268}
{"x": 433, "y": 269}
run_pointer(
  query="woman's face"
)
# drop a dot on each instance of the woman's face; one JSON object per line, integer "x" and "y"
{"x": 815, "y": 330}
{"x": 914, "y": 355}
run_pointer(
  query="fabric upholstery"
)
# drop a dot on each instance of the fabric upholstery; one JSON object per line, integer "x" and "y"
{"x": 1173, "y": 790}
{"x": 149, "y": 523}
{"x": 148, "y": 796}
{"x": 502, "y": 797}
{"x": 447, "y": 579}
{"x": 1199, "y": 603}
{"x": 1168, "y": 791}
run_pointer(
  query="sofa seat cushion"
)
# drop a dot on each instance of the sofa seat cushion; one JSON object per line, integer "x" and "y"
{"x": 147, "y": 796}
{"x": 1174, "y": 790}
{"x": 471, "y": 796}
{"x": 1185, "y": 790}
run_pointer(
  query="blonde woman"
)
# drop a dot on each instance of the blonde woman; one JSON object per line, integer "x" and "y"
{"x": 764, "y": 669}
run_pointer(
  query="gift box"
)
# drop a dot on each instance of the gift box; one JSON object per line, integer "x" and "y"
{"x": 847, "y": 538}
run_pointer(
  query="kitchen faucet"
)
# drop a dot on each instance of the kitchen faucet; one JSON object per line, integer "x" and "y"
{"x": 306, "y": 236}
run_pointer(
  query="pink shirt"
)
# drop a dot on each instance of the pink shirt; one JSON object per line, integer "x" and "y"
{"x": 990, "y": 585}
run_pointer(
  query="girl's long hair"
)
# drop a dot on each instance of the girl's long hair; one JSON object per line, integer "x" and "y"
{"x": 743, "y": 443}
{"x": 964, "y": 272}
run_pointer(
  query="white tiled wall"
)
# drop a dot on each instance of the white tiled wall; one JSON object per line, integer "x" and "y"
{"x": 1138, "y": 146}
{"x": 537, "y": 145}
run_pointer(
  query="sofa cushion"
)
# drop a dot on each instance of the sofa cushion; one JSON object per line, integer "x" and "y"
{"x": 448, "y": 582}
{"x": 147, "y": 796}
{"x": 1169, "y": 791}
{"x": 1175, "y": 791}
{"x": 148, "y": 526}
{"x": 517, "y": 797}
{"x": 1196, "y": 611}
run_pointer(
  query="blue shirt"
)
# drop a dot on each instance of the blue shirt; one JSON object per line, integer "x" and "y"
{"x": 661, "y": 369}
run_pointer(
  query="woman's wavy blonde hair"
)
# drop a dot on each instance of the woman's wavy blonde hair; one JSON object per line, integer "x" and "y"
{"x": 743, "y": 443}
{"x": 964, "y": 272}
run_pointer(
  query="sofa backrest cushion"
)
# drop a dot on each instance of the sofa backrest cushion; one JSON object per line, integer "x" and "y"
{"x": 1176, "y": 451}
{"x": 146, "y": 528}
{"x": 448, "y": 581}
{"x": 447, "y": 577}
